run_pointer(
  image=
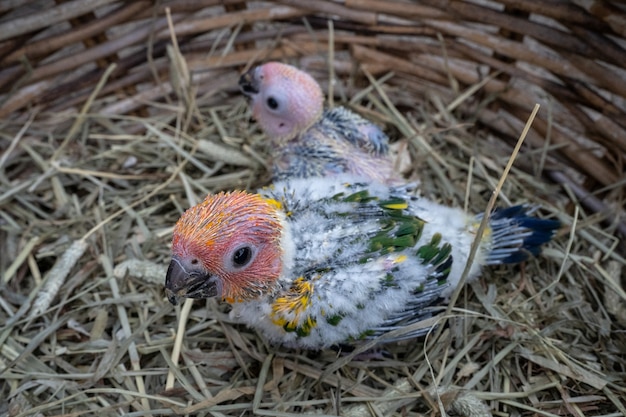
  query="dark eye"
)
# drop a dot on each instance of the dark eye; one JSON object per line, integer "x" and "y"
{"x": 272, "y": 103}
{"x": 242, "y": 256}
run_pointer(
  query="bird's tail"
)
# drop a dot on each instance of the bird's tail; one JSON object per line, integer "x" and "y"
{"x": 516, "y": 234}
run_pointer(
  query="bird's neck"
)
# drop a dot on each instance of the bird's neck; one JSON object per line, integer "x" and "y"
{"x": 288, "y": 247}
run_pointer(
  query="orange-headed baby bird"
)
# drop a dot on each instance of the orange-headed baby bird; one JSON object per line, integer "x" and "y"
{"x": 328, "y": 261}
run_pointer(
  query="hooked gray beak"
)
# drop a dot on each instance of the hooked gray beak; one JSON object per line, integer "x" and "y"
{"x": 184, "y": 280}
{"x": 248, "y": 84}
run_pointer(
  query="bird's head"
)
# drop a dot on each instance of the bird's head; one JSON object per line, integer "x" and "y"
{"x": 284, "y": 100}
{"x": 228, "y": 246}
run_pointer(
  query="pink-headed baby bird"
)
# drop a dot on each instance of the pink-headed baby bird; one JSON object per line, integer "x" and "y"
{"x": 307, "y": 140}
{"x": 317, "y": 262}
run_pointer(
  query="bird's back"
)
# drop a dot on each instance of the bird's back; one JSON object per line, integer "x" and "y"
{"x": 341, "y": 142}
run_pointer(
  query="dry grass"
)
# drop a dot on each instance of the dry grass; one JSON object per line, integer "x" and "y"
{"x": 89, "y": 193}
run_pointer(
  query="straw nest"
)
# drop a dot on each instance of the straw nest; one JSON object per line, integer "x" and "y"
{"x": 116, "y": 116}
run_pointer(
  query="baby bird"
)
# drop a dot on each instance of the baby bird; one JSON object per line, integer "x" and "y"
{"x": 306, "y": 140}
{"x": 317, "y": 262}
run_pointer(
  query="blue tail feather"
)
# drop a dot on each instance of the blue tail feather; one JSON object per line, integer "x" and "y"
{"x": 516, "y": 235}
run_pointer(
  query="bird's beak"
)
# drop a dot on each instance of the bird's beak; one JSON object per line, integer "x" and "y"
{"x": 183, "y": 280}
{"x": 248, "y": 83}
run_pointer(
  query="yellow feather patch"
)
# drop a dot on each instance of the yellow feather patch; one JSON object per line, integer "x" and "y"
{"x": 486, "y": 233}
{"x": 396, "y": 206}
{"x": 400, "y": 259}
{"x": 288, "y": 309}
{"x": 275, "y": 203}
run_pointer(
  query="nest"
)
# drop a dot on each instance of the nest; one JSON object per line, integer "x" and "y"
{"x": 116, "y": 116}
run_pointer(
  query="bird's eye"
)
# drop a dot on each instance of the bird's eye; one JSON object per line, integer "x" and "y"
{"x": 272, "y": 103}
{"x": 242, "y": 256}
